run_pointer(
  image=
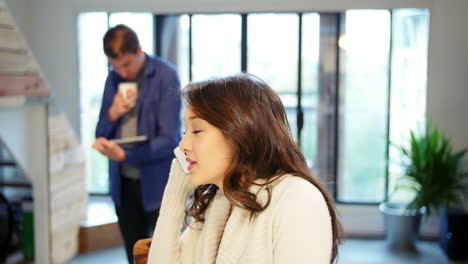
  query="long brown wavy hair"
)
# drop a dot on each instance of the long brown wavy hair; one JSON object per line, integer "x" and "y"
{"x": 253, "y": 119}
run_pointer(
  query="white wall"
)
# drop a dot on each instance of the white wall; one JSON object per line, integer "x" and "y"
{"x": 448, "y": 69}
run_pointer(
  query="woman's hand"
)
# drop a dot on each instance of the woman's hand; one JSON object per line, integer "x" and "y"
{"x": 179, "y": 180}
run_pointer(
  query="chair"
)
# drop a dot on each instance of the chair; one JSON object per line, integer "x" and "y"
{"x": 141, "y": 251}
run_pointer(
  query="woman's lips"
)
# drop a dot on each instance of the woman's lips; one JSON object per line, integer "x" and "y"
{"x": 192, "y": 163}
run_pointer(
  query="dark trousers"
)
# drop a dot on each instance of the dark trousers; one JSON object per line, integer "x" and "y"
{"x": 135, "y": 223}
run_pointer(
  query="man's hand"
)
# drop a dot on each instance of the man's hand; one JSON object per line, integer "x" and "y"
{"x": 109, "y": 149}
{"x": 121, "y": 106}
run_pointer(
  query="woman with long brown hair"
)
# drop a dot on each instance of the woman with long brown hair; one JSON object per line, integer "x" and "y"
{"x": 255, "y": 200}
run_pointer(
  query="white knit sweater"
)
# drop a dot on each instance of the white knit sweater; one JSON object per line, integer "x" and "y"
{"x": 295, "y": 228}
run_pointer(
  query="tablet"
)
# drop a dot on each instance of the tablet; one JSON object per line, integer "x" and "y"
{"x": 130, "y": 140}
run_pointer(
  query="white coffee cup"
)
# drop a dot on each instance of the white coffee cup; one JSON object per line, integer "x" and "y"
{"x": 127, "y": 86}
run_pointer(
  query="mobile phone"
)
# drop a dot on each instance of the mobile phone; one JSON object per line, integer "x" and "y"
{"x": 181, "y": 158}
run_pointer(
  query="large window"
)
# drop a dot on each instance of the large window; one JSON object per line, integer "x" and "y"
{"x": 216, "y": 45}
{"x": 272, "y": 54}
{"x": 350, "y": 81}
{"x": 92, "y": 75}
{"x": 142, "y": 23}
{"x": 364, "y": 62}
{"x": 309, "y": 86}
{"x": 410, "y": 38}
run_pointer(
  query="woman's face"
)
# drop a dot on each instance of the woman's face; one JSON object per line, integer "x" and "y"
{"x": 207, "y": 150}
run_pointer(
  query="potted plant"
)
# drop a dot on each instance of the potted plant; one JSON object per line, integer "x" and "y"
{"x": 434, "y": 172}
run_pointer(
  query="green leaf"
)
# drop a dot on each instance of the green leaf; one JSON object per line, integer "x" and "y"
{"x": 433, "y": 171}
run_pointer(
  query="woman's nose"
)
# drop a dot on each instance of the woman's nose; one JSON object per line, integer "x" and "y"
{"x": 183, "y": 144}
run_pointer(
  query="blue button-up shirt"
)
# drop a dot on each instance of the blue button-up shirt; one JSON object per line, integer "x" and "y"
{"x": 158, "y": 119}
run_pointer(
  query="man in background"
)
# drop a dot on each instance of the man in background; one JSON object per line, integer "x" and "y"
{"x": 148, "y": 104}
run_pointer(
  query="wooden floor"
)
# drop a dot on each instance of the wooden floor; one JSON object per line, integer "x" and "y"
{"x": 353, "y": 251}
{"x": 100, "y": 230}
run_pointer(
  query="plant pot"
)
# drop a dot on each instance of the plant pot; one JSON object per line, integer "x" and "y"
{"x": 401, "y": 226}
{"x": 454, "y": 233}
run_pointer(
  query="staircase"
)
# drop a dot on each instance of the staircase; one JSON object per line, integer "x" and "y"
{"x": 43, "y": 147}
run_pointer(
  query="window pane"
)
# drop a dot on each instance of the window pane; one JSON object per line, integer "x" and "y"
{"x": 364, "y": 53}
{"x": 216, "y": 45}
{"x": 409, "y": 70}
{"x": 272, "y": 52}
{"x": 310, "y": 60}
{"x": 183, "y": 50}
{"x": 92, "y": 75}
{"x": 141, "y": 23}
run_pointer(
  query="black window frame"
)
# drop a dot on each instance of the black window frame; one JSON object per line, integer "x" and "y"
{"x": 333, "y": 122}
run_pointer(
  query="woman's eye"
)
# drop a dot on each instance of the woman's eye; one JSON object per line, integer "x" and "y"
{"x": 196, "y": 131}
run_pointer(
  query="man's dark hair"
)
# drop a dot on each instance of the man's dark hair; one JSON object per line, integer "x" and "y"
{"x": 120, "y": 40}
